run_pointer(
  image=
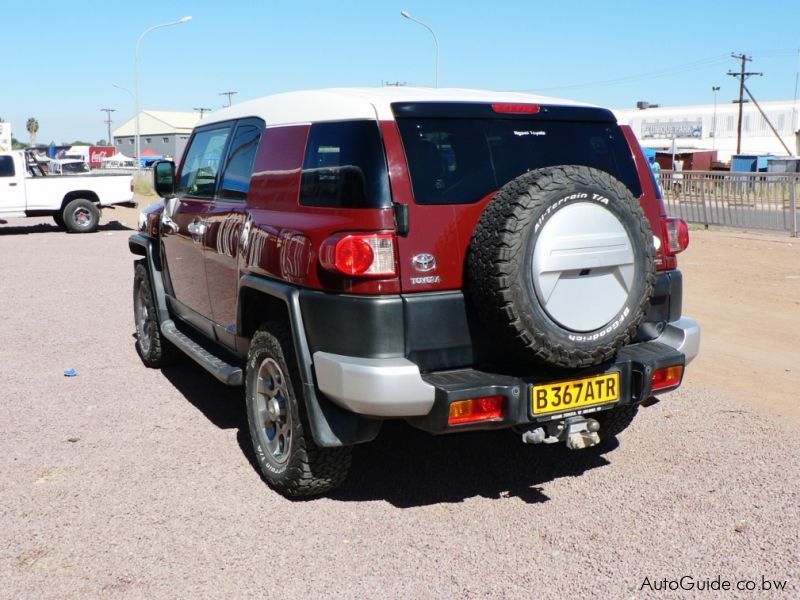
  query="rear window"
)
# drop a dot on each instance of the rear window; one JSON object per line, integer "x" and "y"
{"x": 459, "y": 161}
{"x": 345, "y": 166}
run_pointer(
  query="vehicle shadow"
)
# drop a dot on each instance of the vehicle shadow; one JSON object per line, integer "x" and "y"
{"x": 42, "y": 228}
{"x": 407, "y": 467}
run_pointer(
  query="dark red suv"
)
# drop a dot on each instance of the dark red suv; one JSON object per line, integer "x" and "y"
{"x": 459, "y": 259}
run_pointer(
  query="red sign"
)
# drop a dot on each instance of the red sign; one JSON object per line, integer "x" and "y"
{"x": 98, "y": 153}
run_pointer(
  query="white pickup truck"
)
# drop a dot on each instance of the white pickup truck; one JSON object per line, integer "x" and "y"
{"x": 74, "y": 201}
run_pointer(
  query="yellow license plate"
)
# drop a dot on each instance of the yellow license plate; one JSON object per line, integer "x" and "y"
{"x": 576, "y": 394}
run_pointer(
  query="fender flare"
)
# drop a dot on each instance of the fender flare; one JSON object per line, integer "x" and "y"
{"x": 331, "y": 425}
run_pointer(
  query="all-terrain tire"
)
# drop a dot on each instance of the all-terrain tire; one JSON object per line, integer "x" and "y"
{"x": 289, "y": 459}
{"x": 81, "y": 216}
{"x": 508, "y": 262}
{"x": 615, "y": 421}
{"x": 154, "y": 350}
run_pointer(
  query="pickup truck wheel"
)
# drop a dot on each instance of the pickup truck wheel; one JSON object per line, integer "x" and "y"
{"x": 153, "y": 349}
{"x": 289, "y": 459}
{"x": 59, "y": 220}
{"x": 561, "y": 265}
{"x": 81, "y": 216}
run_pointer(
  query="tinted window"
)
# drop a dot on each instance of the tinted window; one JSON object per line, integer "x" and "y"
{"x": 239, "y": 164}
{"x": 455, "y": 161}
{"x": 75, "y": 168}
{"x": 199, "y": 175}
{"x": 6, "y": 166}
{"x": 345, "y": 166}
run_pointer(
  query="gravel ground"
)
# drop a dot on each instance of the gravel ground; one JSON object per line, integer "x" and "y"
{"x": 130, "y": 482}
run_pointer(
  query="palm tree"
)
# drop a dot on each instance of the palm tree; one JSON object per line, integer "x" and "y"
{"x": 32, "y": 126}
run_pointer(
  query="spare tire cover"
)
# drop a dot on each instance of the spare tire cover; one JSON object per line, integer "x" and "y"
{"x": 561, "y": 263}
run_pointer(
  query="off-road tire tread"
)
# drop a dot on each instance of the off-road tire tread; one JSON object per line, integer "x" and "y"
{"x": 494, "y": 255}
{"x": 162, "y": 352}
{"x": 615, "y": 421}
{"x": 312, "y": 470}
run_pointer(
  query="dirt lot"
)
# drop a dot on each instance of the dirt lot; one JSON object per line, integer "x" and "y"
{"x": 744, "y": 289}
{"x": 126, "y": 482}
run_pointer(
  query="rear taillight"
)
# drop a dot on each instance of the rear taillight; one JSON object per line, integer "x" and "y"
{"x": 667, "y": 378}
{"x": 476, "y": 410}
{"x": 676, "y": 235}
{"x": 360, "y": 255}
{"x": 516, "y": 109}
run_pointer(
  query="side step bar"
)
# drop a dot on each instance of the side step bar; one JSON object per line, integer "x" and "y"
{"x": 226, "y": 373}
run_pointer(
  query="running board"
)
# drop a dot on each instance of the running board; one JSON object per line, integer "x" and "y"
{"x": 226, "y": 373}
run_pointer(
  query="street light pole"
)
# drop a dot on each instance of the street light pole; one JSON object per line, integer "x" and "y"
{"x": 408, "y": 16}
{"x": 136, "y": 99}
{"x": 715, "y": 89}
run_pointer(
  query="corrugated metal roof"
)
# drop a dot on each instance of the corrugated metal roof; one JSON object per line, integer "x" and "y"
{"x": 158, "y": 122}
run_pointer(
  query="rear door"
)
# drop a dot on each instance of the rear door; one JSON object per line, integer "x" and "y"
{"x": 12, "y": 185}
{"x": 459, "y": 155}
{"x": 224, "y": 220}
{"x": 183, "y": 226}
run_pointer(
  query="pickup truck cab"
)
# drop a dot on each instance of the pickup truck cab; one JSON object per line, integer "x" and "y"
{"x": 74, "y": 201}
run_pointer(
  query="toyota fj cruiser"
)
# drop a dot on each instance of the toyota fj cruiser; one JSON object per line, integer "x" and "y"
{"x": 459, "y": 259}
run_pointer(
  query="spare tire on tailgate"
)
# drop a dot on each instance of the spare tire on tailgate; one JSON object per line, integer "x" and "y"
{"x": 561, "y": 263}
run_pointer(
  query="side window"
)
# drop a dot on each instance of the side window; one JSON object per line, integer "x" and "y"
{"x": 345, "y": 166}
{"x": 239, "y": 165}
{"x": 6, "y": 166}
{"x": 200, "y": 169}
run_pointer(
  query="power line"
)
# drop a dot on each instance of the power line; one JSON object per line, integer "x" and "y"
{"x": 665, "y": 72}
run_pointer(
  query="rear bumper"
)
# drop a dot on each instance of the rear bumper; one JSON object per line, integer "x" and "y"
{"x": 684, "y": 336}
{"x": 394, "y": 387}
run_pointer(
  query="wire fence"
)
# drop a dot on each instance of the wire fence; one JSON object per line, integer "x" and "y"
{"x": 746, "y": 200}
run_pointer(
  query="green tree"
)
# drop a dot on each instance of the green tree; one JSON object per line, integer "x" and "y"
{"x": 33, "y": 127}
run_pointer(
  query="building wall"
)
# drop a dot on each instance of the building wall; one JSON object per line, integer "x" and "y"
{"x": 168, "y": 144}
{"x": 706, "y": 128}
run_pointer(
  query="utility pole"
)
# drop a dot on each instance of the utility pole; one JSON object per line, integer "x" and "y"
{"x": 742, "y": 75}
{"x": 715, "y": 89}
{"x": 202, "y": 111}
{"x": 228, "y": 94}
{"x": 108, "y": 112}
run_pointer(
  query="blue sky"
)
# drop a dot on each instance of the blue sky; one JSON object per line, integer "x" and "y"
{"x": 63, "y": 57}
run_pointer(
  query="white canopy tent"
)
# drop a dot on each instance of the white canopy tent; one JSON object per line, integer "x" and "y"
{"x": 119, "y": 161}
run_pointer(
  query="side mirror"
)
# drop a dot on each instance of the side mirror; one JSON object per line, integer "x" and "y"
{"x": 164, "y": 178}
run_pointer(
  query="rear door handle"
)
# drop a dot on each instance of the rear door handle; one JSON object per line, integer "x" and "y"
{"x": 12, "y": 184}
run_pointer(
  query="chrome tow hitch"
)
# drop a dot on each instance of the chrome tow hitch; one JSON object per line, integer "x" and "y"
{"x": 577, "y": 432}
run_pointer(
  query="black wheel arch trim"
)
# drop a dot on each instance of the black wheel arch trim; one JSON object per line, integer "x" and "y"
{"x": 331, "y": 425}
{"x": 145, "y": 246}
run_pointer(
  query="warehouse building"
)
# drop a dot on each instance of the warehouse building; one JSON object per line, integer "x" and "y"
{"x": 713, "y": 127}
{"x": 161, "y": 133}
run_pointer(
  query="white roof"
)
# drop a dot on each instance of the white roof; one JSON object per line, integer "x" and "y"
{"x": 158, "y": 122}
{"x": 337, "y": 104}
{"x": 118, "y": 157}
